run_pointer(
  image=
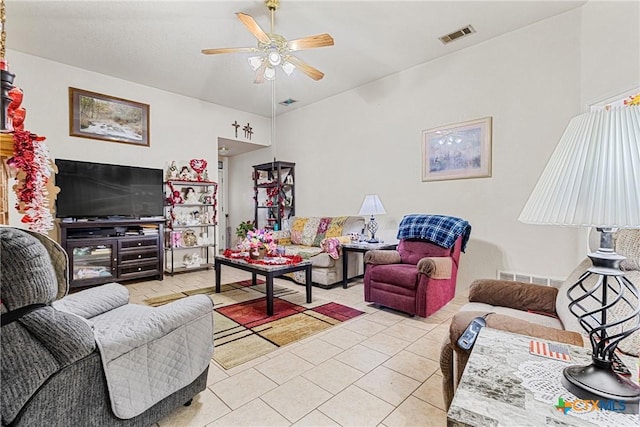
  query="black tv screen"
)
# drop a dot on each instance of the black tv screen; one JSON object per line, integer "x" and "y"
{"x": 97, "y": 190}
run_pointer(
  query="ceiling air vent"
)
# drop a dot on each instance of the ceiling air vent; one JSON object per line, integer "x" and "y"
{"x": 457, "y": 34}
{"x": 287, "y": 102}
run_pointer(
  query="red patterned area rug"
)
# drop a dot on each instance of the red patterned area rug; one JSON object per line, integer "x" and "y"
{"x": 242, "y": 329}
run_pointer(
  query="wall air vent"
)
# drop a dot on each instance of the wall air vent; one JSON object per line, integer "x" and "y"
{"x": 462, "y": 32}
{"x": 287, "y": 102}
{"x": 529, "y": 278}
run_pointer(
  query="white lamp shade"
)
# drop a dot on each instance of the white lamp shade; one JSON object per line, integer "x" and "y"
{"x": 288, "y": 67}
{"x": 269, "y": 73}
{"x": 371, "y": 205}
{"x": 255, "y": 62}
{"x": 593, "y": 176}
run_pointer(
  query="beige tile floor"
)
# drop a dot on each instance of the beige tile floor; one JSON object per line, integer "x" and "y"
{"x": 379, "y": 369}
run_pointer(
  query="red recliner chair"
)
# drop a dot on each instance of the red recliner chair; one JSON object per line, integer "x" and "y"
{"x": 420, "y": 276}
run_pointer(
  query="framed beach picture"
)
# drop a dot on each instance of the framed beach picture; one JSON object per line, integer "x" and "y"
{"x": 457, "y": 151}
{"x": 97, "y": 116}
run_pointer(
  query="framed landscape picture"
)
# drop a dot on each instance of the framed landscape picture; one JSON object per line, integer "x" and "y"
{"x": 457, "y": 151}
{"x": 97, "y": 116}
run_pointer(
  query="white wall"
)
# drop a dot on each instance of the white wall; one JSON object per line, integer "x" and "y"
{"x": 610, "y": 49}
{"x": 181, "y": 128}
{"x": 368, "y": 140}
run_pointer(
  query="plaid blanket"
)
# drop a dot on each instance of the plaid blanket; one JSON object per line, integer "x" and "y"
{"x": 439, "y": 229}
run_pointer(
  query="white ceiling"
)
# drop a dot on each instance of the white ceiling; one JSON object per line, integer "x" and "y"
{"x": 158, "y": 43}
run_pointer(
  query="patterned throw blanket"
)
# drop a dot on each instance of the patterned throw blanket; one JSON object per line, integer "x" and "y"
{"x": 439, "y": 229}
{"x": 331, "y": 245}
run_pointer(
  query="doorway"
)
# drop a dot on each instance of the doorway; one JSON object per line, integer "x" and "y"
{"x": 227, "y": 149}
{"x": 223, "y": 215}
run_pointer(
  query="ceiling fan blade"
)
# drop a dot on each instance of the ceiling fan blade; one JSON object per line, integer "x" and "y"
{"x": 260, "y": 74}
{"x": 228, "y": 50}
{"x": 253, "y": 27}
{"x": 310, "y": 42}
{"x": 314, "y": 73}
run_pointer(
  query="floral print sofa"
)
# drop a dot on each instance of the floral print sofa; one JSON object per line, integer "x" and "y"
{"x": 318, "y": 239}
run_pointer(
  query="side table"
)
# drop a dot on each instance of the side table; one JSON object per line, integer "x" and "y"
{"x": 360, "y": 247}
{"x": 492, "y": 391}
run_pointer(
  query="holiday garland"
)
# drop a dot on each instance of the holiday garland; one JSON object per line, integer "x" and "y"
{"x": 33, "y": 164}
{"x": 283, "y": 259}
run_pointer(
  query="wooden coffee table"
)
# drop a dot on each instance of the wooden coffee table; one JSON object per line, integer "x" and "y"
{"x": 268, "y": 271}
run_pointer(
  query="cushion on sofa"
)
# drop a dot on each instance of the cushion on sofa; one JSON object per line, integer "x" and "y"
{"x": 297, "y": 227}
{"x": 310, "y": 231}
{"x": 539, "y": 319}
{"x": 305, "y": 252}
{"x": 627, "y": 242}
{"x": 329, "y": 227}
{"x": 322, "y": 260}
{"x": 506, "y": 322}
{"x": 521, "y": 296}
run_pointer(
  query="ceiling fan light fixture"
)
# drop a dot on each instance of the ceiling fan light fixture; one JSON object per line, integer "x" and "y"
{"x": 255, "y": 62}
{"x": 273, "y": 49}
{"x": 269, "y": 73}
{"x": 274, "y": 58}
{"x": 288, "y": 67}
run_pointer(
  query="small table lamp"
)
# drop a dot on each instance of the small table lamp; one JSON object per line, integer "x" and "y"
{"x": 372, "y": 206}
{"x": 592, "y": 180}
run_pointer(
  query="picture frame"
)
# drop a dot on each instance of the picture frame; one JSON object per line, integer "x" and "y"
{"x": 457, "y": 151}
{"x": 108, "y": 118}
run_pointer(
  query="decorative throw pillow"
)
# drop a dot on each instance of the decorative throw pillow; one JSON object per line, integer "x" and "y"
{"x": 336, "y": 226}
{"x": 296, "y": 237}
{"x": 310, "y": 231}
{"x": 323, "y": 225}
{"x": 297, "y": 228}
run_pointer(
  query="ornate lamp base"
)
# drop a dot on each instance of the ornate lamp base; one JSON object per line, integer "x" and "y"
{"x": 593, "y": 382}
{"x": 372, "y": 227}
{"x": 593, "y": 305}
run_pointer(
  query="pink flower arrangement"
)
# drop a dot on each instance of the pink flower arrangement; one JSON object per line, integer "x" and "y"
{"x": 259, "y": 239}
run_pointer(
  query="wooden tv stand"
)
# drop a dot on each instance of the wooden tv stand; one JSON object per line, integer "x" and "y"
{"x": 103, "y": 251}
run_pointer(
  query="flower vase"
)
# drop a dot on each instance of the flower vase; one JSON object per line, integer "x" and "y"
{"x": 257, "y": 253}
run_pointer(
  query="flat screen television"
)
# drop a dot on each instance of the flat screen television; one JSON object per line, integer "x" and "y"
{"x": 98, "y": 190}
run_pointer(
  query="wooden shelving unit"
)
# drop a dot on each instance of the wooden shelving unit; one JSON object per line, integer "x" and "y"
{"x": 274, "y": 188}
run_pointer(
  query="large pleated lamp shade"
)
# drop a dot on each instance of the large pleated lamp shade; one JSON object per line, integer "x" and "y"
{"x": 593, "y": 176}
{"x": 593, "y": 180}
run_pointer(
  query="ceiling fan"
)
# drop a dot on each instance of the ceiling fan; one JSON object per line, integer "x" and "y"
{"x": 274, "y": 50}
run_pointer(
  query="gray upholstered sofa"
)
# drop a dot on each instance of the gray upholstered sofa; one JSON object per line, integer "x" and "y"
{"x": 91, "y": 359}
